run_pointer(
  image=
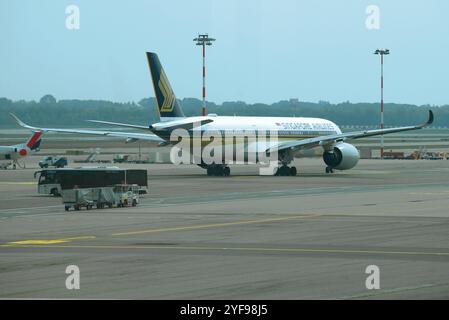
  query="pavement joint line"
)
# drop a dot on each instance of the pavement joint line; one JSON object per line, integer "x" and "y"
{"x": 247, "y": 249}
{"x": 29, "y": 208}
{"x": 442, "y": 193}
{"x": 391, "y": 291}
{"x": 214, "y": 225}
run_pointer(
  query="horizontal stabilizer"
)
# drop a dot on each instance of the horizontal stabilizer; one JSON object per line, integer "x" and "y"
{"x": 186, "y": 123}
{"x": 118, "y": 124}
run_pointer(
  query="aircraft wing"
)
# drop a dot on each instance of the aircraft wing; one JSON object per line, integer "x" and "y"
{"x": 126, "y": 125}
{"x": 130, "y": 136}
{"x": 330, "y": 139}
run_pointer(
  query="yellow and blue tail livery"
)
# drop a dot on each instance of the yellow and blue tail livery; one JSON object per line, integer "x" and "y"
{"x": 167, "y": 104}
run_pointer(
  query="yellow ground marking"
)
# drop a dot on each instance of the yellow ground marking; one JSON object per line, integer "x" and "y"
{"x": 246, "y": 249}
{"x": 18, "y": 183}
{"x": 48, "y": 241}
{"x": 214, "y": 225}
{"x": 43, "y": 242}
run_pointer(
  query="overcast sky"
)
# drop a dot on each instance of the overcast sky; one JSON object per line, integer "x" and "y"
{"x": 265, "y": 50}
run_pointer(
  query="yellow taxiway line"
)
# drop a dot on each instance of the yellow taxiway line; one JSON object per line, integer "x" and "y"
{"x": 169, "y": 229}
{"x": 214, "y": 225}
{"x": 56, "y": 243}
{"x": 246, "y": 249}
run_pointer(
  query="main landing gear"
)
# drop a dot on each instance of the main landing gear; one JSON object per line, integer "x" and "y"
{"x": 329, "y": 169}
{"x": 285, "y": 170}
{"x": 218, "y": 170}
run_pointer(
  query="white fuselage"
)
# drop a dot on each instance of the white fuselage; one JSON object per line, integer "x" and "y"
{"x": 284, "y": 126}
{"x": 278, "y": 129}
{"x": 14, "y": 152}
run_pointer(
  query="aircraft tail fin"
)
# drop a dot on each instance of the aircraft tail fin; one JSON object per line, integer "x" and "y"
{"x": 34, "y": 142}
{"x": 168, "y": 107}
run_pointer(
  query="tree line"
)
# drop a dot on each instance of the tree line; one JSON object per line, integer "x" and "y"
{"x": 72, "y": 113}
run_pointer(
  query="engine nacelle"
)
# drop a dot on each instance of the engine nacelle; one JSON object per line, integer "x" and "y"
{"x": 344, "y": 157}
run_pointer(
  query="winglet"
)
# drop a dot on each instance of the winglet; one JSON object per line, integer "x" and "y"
{"x": 21, "y": 123}
{"x": 430, "y": 120}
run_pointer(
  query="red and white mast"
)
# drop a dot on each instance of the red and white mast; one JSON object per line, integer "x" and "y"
{"x": 382, "y": 53}
{"x": 204, "y": 40}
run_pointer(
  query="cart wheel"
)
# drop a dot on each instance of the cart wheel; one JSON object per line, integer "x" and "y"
{"x": 67, "y": 208}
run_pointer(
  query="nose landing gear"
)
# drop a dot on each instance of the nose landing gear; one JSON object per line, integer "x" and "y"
{"x": 218, "y": 170}
{"x": 285, "y": 158}
{"x": 285, "y": 170}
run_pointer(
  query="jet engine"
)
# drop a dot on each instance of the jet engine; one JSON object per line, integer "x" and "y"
{"x": 344, "y": 156}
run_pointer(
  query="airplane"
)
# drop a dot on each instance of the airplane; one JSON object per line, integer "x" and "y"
{"x": 21, "y": 150}
{"x": 295, "y": 135}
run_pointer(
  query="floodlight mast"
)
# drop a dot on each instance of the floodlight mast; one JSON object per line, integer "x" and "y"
{"x": 382, "y": 52}
{"x": 204, "y": 40}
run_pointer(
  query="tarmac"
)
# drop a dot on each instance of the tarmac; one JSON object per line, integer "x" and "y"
{"x": 240, "y": 237}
